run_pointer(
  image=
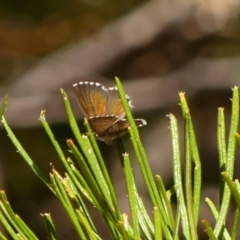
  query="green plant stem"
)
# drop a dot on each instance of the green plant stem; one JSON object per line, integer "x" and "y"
{"x": 164, "y": 197}
{"x": 157, "y": 224}
{"x": 222, "y": 150}
{"x": 177, "y": 172}
{"x": 63, "y": 197}
{"x": 144, "y": 164}
{"x": 132, "y": 198}
{"x": 52, "y": 235}
{"x": 188, "y": 179}
{"x": 3, "y": 107}
{"x": 24, "y": 154}
{"x": 80, "y": 140}
{"x": 235, "y": 225}
{"x": 197, "y": 173}
{"x": 216, "y": 215}
{"x": 230, "y": 162}
{"x": 209, "y": 230}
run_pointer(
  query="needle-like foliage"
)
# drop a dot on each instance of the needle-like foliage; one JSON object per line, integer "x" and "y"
{"x": 86, "y": 178}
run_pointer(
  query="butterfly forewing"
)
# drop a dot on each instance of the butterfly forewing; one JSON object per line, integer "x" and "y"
{"x": 113, "y": 104}
{"x": 98, "y": 99}
{"x": 83, "y": 96}
{"x": 91, "y": 98}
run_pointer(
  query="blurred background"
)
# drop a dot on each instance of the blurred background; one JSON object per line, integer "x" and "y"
{"x": 156, "y": 47}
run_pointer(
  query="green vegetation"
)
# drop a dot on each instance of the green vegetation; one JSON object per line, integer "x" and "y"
{"x": 86, "y": 177}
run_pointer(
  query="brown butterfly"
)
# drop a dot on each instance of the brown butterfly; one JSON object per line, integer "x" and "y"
{"x": 103, "y": 109}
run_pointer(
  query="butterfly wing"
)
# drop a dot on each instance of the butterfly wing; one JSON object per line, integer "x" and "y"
{"x": 104, "y": 110}
{"x": 91, "y": 97}
{"x": 95, "y": 100}
{"x": 99, "y": 125}
{"x": 108, "y": 128}
{"x": 120, "y": 127}
{"x": 114, "y": 105}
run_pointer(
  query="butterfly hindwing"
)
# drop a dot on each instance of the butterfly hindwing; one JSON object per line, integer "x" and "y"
{"x": 100, "y": 125}
{"x": 110, "y": 127}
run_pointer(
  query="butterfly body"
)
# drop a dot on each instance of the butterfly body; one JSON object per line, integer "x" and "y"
{"x": 103, "y": 109}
